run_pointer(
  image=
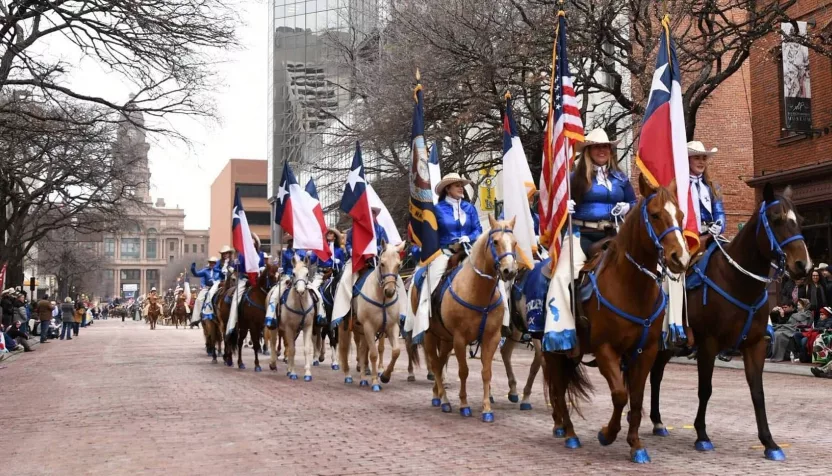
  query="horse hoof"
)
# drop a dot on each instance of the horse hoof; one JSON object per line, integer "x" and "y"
{"x": 572, "y": 443}
{"x": 775, "y": 454}
{"x": 376, "y": 388}
{"x": 640, "y": 456}
{"x": 367, "y": 372}
{"x": 704, "y": 445}
{"x": 602, "y": 439}
{"x": 430, "y": 377}
{"x": 315, "y": 363}
{"x": 661, "y": 432}
{"x": 488, "y": 417}
{"x": 525, "y": 406}
{"x": 446, "y": 408}
{"x": 241, "y": 366}
{"x": 491, "y": 398}
{"x": 347, "y": 380}
{"x": 293, "y": 376}
{"x": 435, "y": 402}
{"x": 307, "y": 378}
{"x": 411, "y": 378}
{"x": 513, "y": 398}
{"x": 383, "y": 378}
{"x": 559, "y": 432}
{"x": 465, "y": 411}
{"x": 321, "y": 359}
{"x": 336, "y": 367}
{"x": 214, "y": 360}
{"x": 258, "y": 369}
{"x": 273, "y": 367}
{"x": 364, "y": 383}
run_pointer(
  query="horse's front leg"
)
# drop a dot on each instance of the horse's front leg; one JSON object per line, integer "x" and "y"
{"x": 412, "y": 353}
{"x": 395, "y": 350}
{"x": 272, "y": 337}
{"x": 489, "y": 348}
{"x": 256, "y": 334}
{"x": 462, "y": 361}
{"x": 656, "y": 375}
{"x": 609, "y": 363}
{"x": 525, "y": 404}
{"x": 506, "y": 352}
{"x": 637, "y": 378}
{"x": 241, "y": 339}
{"x": 372, "y": 362}
{"x": 754, "y": 357}
{"x": 380, "y": 349}
{"x": 344, "y": 342}
{"x": 705, "y": 357}
{"x": 289, "y": 332}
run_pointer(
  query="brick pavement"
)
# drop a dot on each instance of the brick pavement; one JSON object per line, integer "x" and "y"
{"x": 131, "y": 401}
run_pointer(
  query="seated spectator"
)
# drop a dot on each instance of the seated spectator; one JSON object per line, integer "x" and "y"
{"x": 822, "y": 349}
{"x": 782, "y": 313}
{"x": 68, "y": 318}
{"x": 15, "y": 331}
{"x": 784, "y": 333}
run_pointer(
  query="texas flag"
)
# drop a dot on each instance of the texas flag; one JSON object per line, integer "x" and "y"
{"x": 356, "y": 203}
{"x": 242, "y": 240}
{"x": 300, "y": 214}
{"x": 662, "y": 147}
{"x": 518, "y": 188}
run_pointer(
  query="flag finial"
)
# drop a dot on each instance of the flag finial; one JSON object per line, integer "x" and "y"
{"x": 418, "y": 75}
{"x": 508, "y": 95}
{"x": 418, "y": 85}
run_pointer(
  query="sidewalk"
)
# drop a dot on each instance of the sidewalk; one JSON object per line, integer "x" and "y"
{"x": 12, "y": 356}
{"x": 777, "y": 368}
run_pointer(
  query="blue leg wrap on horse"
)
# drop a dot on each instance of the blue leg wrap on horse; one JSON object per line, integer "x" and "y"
{"x": 435, "y": 402}
{"x": 525, "y": 406}
{"x": 602, "y": 439}
{"x": 559, "y": 432}
{"x": 446, "y": 408}
{"x": 640, "y": 456}
{"x": 513, "y": 398}
{"x": 775, "y": 454}
{"x": 488, "y": 417}
{"x": 572, "y": 443}
{"x": 465, "y": 411}
{"x": 703, "y": 446}
{"x": 661, "y": 432}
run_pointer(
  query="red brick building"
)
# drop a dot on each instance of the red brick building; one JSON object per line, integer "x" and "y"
{"x": 800, "y": 159}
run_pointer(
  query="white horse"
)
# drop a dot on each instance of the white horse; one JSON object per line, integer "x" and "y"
{"x": 297, "y": 313}
{"x": 377, "y": 309}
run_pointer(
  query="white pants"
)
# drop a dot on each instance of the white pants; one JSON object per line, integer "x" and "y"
{"x": 208, "y": 306}
{"x": 675, "y": 307}
{"x": 343, "y": 295}
{"x": 436, "y": 269}
{"x": 273, "y": 298}
{"x": 235, "y": 304}
{"x": 200, "y": 300}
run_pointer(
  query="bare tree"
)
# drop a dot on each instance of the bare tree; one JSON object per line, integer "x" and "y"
{"x": 74, "y": 260}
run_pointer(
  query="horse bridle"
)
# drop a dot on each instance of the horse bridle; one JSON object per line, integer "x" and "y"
{"x": 657, "y": 242}
{"x": 776, "y": 246}
{"x": 492, "y": 247}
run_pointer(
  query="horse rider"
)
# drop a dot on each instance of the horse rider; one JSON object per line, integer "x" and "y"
{"x": 208, "y": 276}
{"x": 178, "y": 294}
{"x": 286, "y": 267}
{"x": 223, "y": 269}
{"x": 152, "y": 300}
{"x": 242, "y": 277}
{"x": 459, "y": 227}
{"x": 706, "y": 195}
{"x": 381, "y": 234}
{"x": 335, "y": 241}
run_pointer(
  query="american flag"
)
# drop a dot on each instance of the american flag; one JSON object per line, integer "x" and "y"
{"x": 563, "y": 129}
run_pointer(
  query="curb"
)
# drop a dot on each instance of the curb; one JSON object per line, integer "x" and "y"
{"x": 737, "y": 364}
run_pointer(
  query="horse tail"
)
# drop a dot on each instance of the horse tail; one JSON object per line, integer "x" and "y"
{"x": 578, "y": 385}
{"x": 231, "y": 340}
{"x": 414, "y": 351}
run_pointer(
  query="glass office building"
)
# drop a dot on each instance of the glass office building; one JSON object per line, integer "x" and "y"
{"x": 309, "y": 91}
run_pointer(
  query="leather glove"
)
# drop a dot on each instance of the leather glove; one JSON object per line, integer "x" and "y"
{"x": 570, "y": 206}
{"x": 715, "y": 228}
{"x": 620, "y": 209}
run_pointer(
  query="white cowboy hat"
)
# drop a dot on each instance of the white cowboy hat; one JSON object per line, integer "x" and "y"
{"x": 596, "y": 137}
{"x": 212, "y": 259}
{"x": 267, "y": 256}
{"x": 449, "y": 179}
{"x": 8, "y": 291}
{"x": 696, "y": 148}
{"x": 152, "y": 289}
{"x": 226, "y": 249}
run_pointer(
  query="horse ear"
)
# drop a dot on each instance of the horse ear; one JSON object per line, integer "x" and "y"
{"x": 672, "y": 188}
{"x": 787, "y": 193}
{"x": 383, "y": 244}
{"x": 645, "y": 188}
{"x": 400, "y": 247}
{"x": 491, "y": 221}
{"x": 306, "y": 260}
{"x": 768, "y": 193}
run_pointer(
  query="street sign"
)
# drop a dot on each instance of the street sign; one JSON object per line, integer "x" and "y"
{"x": 129, "y": 287}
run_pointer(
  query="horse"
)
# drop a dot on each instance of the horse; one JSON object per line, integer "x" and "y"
{"x": 214, "y": 329}
{"x": 728, "y": 308}
{"x": 621, "y": 322}
{"x": 376, "y": 315}
{"x": 154, "y": 310}
{"x": 296, "y": 313}
{"x": 519, "y": 334}
{"x": 251, "y": 318}
{"x": 469, "y": 307}
{"x": 179, "y": 313}
{"x": 323, "y": 330}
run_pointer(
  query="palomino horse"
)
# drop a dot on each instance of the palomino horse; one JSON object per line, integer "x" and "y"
{"x": 376, "y": 311}
{"x": 180, "y": 314}
{"x": 517, "y": 331}
{"x": 470, "y": 308}
{"x": 623, "y": 323}
{"x": 296, "y": 313}
{"x": 251, "y": 318}
{"x": 728, "y": 309}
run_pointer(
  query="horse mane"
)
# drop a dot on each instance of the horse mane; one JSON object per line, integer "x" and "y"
{"x": 631, "y": 229}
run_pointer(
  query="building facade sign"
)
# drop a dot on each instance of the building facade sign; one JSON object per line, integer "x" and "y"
{"x": 797, "y": 87}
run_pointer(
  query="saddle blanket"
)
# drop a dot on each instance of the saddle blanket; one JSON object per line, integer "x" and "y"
{"x": 533, "y": 286}
{"x": 694, "y": 280}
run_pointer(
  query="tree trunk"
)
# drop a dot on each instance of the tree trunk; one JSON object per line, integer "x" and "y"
{"x": 14, "y": 274}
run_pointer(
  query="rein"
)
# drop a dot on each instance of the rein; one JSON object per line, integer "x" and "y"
{"x": 487, "y": 309}
{"x": 661, "y": 300}
{"x": 384, "y": 304}
{"x": 780, "y": 270}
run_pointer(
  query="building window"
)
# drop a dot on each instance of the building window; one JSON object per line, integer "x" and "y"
{"x": 817, "y": 231}
{"x": 131, "y": 248}
{"x": 248, "y": 190}
{"x": 170, "y": 258}
{"x": 171, "y": 245}
{"x": 203, "y": 248}
{"x": 131, "y": 274}
{"x": 109, "y": 247}
{"x": 259, "y": 218}
{"x": 150, "y": 250}
{"x": 152, "y": 277}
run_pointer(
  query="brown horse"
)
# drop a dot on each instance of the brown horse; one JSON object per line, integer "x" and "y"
{"x": 180, "y": 313}
{"x": 472, "y": 309}
{"x": 734, "y": 312}
{"x": 623, "y": 323}
{"x": 214, "y": 329}
{"x": 154, "y": 310}
{"x": 252, "y": 317}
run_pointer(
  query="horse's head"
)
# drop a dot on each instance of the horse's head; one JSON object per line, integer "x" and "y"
{"x": 389, "y": 264}
{"x": 501, "y": 243}
{"x": 780, "y": 240}
{"x": 300, "y": 274}
{"x": 662, "y": 219}
{"x": 268, "y": 277}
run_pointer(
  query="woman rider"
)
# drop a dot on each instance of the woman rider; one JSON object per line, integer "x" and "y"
{"x": 458, "y": 225}
{"x": 601, "y": 191}
{"x": 710, "y": 212}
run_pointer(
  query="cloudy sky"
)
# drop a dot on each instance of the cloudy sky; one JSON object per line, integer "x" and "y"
{"x": 183, "y": 175}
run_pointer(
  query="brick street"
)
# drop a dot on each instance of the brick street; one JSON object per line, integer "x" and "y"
{"x": 122, "y": 399}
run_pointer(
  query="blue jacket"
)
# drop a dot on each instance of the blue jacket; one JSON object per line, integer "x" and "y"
{"x": 380, "y": 235}
{"x": 718, "y": 211}
{"x": 339, "y": 255}
{"x": 450, "y": 229}
{"x": 289, "y": 253}
{"x": 598, "y": 202}
{"x": 207, "y": 275}
{"x": 238, "y": 266}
